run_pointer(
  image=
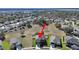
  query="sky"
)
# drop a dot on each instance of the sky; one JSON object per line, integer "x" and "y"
{"x": 31, "y": 9}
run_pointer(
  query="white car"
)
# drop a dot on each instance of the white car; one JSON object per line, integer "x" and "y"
{"x": 2, "y": 28}
{"x": 13, "y": 25}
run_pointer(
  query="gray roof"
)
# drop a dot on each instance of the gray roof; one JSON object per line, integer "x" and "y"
{"x": 74, "y": 41}
{"x": 75, "y": 47}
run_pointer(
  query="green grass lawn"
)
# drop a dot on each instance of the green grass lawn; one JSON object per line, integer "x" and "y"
{"x": 48, "y": 41}
{"x": 6, "y": 45}
{"x": 65, "y": 48}
{"x": 34, "y": 42}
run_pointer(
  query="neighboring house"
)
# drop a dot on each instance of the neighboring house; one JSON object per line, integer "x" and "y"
{"x": 73, "y": 43}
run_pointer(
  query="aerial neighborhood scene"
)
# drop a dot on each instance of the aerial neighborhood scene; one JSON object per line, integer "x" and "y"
{"x": 39, "y": 29}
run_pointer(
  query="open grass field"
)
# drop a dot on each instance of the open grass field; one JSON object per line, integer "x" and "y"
{"x": 27, "y": 40}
